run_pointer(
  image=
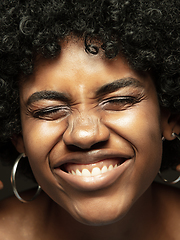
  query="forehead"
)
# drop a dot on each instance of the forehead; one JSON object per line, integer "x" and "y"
{"x": 75, "y": 69}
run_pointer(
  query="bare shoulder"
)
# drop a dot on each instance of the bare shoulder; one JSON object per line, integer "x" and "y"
{"x": 20, "y": 220}
{"x": 168, "y": 194}
{"x": 168, "y": 208}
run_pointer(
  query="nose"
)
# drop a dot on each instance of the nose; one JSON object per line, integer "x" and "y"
{"x": 85, "y": 130}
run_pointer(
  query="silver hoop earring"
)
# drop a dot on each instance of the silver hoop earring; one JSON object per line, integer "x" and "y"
{"x": 176, "y": 135}
{"x": 168, "y": 182}
{"x": 160, "y": 174}
{"x": 13, "y": 181}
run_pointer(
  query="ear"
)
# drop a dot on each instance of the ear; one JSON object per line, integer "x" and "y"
{"x": 18, "y": 142}
{"x": 170, "y": 124}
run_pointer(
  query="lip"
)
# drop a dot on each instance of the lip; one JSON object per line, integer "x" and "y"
{"x": 91, "y": 183}
{"x": 89, "y": 157}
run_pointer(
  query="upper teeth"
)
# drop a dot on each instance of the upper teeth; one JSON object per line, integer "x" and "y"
{"x": 95, "y": 171}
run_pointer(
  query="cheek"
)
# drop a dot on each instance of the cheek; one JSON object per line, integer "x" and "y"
{"x": 40, "y": 137}
{"x": 140, "y": 126}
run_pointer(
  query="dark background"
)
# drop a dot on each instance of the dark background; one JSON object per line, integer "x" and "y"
{"x": 22, "y": 182}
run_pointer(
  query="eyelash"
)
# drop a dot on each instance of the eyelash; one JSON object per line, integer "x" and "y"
{"x": 50, "y": 113}
{"x": 120, "y": 103}
{"x": 110, "y": 104}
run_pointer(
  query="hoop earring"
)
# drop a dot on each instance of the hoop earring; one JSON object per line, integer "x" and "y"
{"x": 166, "y": 181}
{"x": 13, "y": 181}
{"x": 160, "y": 174}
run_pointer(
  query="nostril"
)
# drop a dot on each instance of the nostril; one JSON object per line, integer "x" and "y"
{"x": 82, "y": 138}
{"x": 84, "y": 135}
{"x": 97, "y": 145}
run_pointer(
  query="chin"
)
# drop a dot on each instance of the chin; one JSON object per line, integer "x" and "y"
{"x": 97, "y": 220}
{"x": 99, "y": 216}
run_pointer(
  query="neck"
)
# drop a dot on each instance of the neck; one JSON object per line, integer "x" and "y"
{"x": 135, "y": 225}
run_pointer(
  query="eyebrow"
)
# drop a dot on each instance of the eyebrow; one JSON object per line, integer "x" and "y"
{"x": 48, "y": 95}
{"x": 103, "y": 90}
{"x": 118, "y": 84}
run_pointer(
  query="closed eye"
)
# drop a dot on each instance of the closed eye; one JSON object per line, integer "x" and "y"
{"x": 50, "y": 113}
{"x": 119, "y": 103}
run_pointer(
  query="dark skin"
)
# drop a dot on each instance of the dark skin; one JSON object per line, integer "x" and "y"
{"x": 81, "y": 112}
{"x": 157, "y": 225}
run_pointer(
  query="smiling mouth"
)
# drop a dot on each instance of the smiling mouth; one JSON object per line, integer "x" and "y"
{"x": 92, "y": 169}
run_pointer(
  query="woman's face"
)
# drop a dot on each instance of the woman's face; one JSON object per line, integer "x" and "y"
{"x": 92, "y": 132}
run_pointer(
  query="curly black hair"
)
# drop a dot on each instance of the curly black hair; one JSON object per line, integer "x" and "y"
{"x": 145, "y": 32}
